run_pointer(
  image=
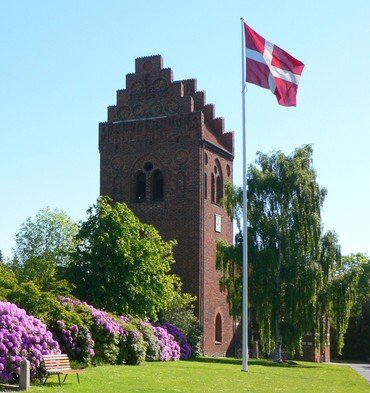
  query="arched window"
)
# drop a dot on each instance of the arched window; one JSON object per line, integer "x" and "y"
{"x": 212, "y": 188}
{"x": 157, "y": 186}
{"x": 218, "y": 329}
{"x": 219, "y": 190}
{"x": 205, "y": 186}
{"x": 140, "y": 187}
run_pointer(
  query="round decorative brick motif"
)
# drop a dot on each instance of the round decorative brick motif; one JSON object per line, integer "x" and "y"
{"x": 172, "y": 107}
{"x": 155, "y": 109}
{"x": 181, "y": 157}
{"x": 148, "y": 65}
{"x": 138, "y": 111}
{"x": 159, "y": 84}
{"x": 137, "y": 87}
{"x": 124, "y": 112}
{"x": 117, "y": 163}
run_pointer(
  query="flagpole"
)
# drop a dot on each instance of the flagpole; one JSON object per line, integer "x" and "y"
{"x": 245, "y": 219}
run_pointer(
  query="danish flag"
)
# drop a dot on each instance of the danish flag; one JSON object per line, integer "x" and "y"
{"x": 272, "y": 68}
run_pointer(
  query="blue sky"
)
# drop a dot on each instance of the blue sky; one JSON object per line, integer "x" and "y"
{"x": 62, "y": 62}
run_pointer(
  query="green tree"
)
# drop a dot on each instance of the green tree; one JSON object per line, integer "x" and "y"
{"x": 121, "y": 264}
{"x": 330, "y": 262}
{"x": 345, "y": 291}
{"x": 356, "y": 339}
{"x": 8, "y": 281}
{"x": 284, "y": 227}
{"x": 49, "y": 235}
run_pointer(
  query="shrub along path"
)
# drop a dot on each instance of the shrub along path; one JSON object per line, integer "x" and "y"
{"x": 213, "y": 375}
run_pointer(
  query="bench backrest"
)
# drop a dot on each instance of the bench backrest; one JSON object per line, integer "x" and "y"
{"x": 56, "y": 362}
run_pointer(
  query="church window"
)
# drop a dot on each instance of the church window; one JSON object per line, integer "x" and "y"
{"x": 157, "y": 186}
{"x": 205, "y": 158}
{"x": 140, "y": 187}
{"x": 212, "y": 188}
{"x": 218, "y": 329}
{"x": 148, "y": 166}
{"x": 218, "y": 192}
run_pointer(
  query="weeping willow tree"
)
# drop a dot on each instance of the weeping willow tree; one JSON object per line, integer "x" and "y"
{"x": 330, "y": 262}
{"x": 284, "y": 227}
{"x": 343, "y": 296}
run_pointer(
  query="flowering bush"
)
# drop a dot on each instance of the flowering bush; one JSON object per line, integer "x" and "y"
{"x": 179, "y": 336}
{"x": 151, "y": 342}
{"x": 132, "y": 348}
{"x": 75, "y": 341}
{"x": 169, "y": 349}
{"x": 101, "y": 336}
{"x": 22, "y": 336}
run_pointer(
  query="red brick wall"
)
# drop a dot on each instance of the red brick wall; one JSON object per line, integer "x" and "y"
{"x": 167, "y": 123}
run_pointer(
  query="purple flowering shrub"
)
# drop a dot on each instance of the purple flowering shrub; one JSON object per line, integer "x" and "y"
{"x": 133, "y": 348}
{"x": 75, "y": 341}
{"x": 169, "y": 348}
{"x": 150, "y": 340}
{"x": 22, "y": 336}
{"x": 103, "y": 331}
{"x": 179, "y": 336}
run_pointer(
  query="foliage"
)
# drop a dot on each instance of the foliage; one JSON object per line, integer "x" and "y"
{"x": 150, "y": 340}
{"x": 133, "y": 348}
{"x": 360, "y": 262}
{"x": 330, "y": 261}
{"x": 229, "y": 260}
{"x": 169, "y": 348}
{"x": 180, "y": 313}
{"x": 127, "y": 261}
{"x": 43, "y": 273}
{"x": 8, "y": 281}
{"x": 356, "y": 339}
{"x": 283, "y": 247}
{"x": 180, "y": 338}
{"x": 343, "y": 297}
{"x": 22, "y": 336}
{"x": 30, "y": 297}
{"x": 100, "y": 332}
{"x": 50, "y": 235}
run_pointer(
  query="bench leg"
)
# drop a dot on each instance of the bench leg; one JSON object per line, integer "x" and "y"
{"x": 59, "y": 380}
{"x": 78, "y": 378}
{"x": 47, "y": 376}
{"x": 65, "y": 377}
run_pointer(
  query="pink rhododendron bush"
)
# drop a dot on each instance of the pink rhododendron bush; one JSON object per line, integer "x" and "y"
{"x": 102, "y": 336}
{"x": 22, "y": 336}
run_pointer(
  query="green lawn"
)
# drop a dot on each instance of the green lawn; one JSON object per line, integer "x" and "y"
{"x": 213, "y": 375}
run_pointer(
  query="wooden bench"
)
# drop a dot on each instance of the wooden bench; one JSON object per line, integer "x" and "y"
{"x": 59, "y": 364}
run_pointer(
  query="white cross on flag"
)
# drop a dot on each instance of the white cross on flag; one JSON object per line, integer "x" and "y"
{"x": 272, "y": 68}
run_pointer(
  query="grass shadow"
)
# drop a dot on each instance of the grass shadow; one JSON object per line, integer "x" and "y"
{"x": 254, "y": 362}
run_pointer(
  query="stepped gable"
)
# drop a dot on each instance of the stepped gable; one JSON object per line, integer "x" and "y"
{"x": 152, "y": 93}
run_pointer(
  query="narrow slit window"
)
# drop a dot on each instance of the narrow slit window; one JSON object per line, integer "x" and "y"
{"x": 218, "y": 329}
{"x": 140, "y": 191}
{"x": 157, "y": 186}
{"x": 213, "y": 188}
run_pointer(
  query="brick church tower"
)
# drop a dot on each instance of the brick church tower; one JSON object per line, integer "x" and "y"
{"x": 164, "y": 154}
